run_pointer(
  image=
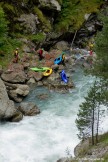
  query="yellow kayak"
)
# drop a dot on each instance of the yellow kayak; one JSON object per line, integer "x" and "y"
{"x": 47, "y": 72}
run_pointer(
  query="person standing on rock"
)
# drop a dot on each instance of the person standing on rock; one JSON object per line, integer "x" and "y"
{"x": 16, "y": 56}
{"x": 91, "y": 53}
{"x": 91, "y": 45}
{"x": 40, "y": 53}
{"x": 63, "y": 58}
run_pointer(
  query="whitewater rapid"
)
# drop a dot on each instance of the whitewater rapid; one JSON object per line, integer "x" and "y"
{"x": 50, "y": 135}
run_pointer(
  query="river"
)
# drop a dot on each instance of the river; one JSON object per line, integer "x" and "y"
{"x": 50, "y": 135}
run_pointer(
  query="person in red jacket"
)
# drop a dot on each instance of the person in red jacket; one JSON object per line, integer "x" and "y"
{"x": 40, "y": 53}
{"x": 91, "y": 53}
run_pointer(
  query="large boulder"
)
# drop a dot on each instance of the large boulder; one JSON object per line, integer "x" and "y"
{"x": 7, "y": 107}
{"x": 29, "y": 23}
{"x": 54, "y": 82}
{"x": 17, "y": 91}
{"x": 50, "y": 5}
{"x": 14, "y": 77}
{"x": 28, "y": 109}
{"x": 62, "y": 45}
{"x": 36, "y": 75}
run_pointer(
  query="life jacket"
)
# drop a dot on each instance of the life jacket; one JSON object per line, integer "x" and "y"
{"x": 16, "y": 53}
{"x": 63, "y": 57}
{"x": 91, "y": 52}
{"x": 40, "y": 51}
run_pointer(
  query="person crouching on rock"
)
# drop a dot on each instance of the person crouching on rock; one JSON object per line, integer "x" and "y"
{"x": 16, "y": 56}
{"x": 63, "y": 58}
{"x": 40, "y": 53}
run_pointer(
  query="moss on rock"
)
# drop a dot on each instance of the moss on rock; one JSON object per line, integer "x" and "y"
{"x": 43, "y": 19}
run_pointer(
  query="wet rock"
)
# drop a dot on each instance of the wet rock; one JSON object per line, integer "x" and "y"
{"x": 17, "y": 117}
{"x": 43, "y": 96}
{"x": 28, "y": 109}
{"x": 66, "y": 159}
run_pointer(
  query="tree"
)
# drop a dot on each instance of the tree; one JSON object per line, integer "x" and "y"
{"x": 90, "y": 114}
{"x": 101, "y": 100}
{"x": 3, "y": 27}
{"x": 101, "y": 48}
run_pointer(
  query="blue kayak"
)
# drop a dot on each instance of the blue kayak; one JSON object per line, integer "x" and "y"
{"x": 58, "y": 60}
{"x": 63, "y": 76}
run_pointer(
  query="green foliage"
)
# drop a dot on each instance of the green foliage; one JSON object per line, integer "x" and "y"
{"x": 85, "y": 115}
{"x": 8, "y": 47}
{"x": 101, "y": 47}
{"x": 60, "y": 1}
{"x": 6, "y": 44}
{"x": 104, "y": 138}
{"x": 3, "y": 27}
{"x": 72, "y": 13}
{"x": 40, "y": 37}
{"x": 9, "y": 8}
{"x": 89, "y": 113}
{"x": 42, "y": 19}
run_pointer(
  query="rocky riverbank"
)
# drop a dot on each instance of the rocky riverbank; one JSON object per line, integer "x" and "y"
{"x": 18, "y": 78}
{"x": 84, "y": 151}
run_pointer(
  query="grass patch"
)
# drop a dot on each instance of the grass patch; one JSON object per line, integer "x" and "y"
{"x": 72, "y": 14}
{"x": 104, "y": 138}
{"x": 40, "y": 37}
{"x": 7, "y": 51}
{"x": 43, "y": 19}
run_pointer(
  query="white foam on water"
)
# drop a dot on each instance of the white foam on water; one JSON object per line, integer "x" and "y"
{"x": 48, "y": 136}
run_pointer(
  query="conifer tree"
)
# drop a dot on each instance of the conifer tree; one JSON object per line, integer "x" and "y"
{"x": 101, "y": 48}
{"x": 90, "y": 113}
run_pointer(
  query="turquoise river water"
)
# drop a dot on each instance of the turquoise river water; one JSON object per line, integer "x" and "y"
{"x": 50, "y": 135}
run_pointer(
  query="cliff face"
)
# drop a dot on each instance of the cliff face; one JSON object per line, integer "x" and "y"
{"x": 44, "y": 22}
{"x": 31, "y": 19}
{"x": 22, "y": 14}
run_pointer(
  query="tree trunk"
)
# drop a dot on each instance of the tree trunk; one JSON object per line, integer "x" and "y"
{"x": 97, "y": 131}
{"x": 93, "y": 126}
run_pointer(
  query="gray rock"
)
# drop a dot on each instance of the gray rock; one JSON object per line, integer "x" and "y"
{"x": 50, "y": 4}
{"x": 29, "y": 21}
{"x": 62, "y": 45}
{"x": 31, "y": 81}
{"x": 7, "y": 107}
{"x": 14, "y": 77}
{"x": 17, "y": 117}
{"x": 17, "y": 91}
{"x": 28, "y": 109}
{"x": 66, "y": 159}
